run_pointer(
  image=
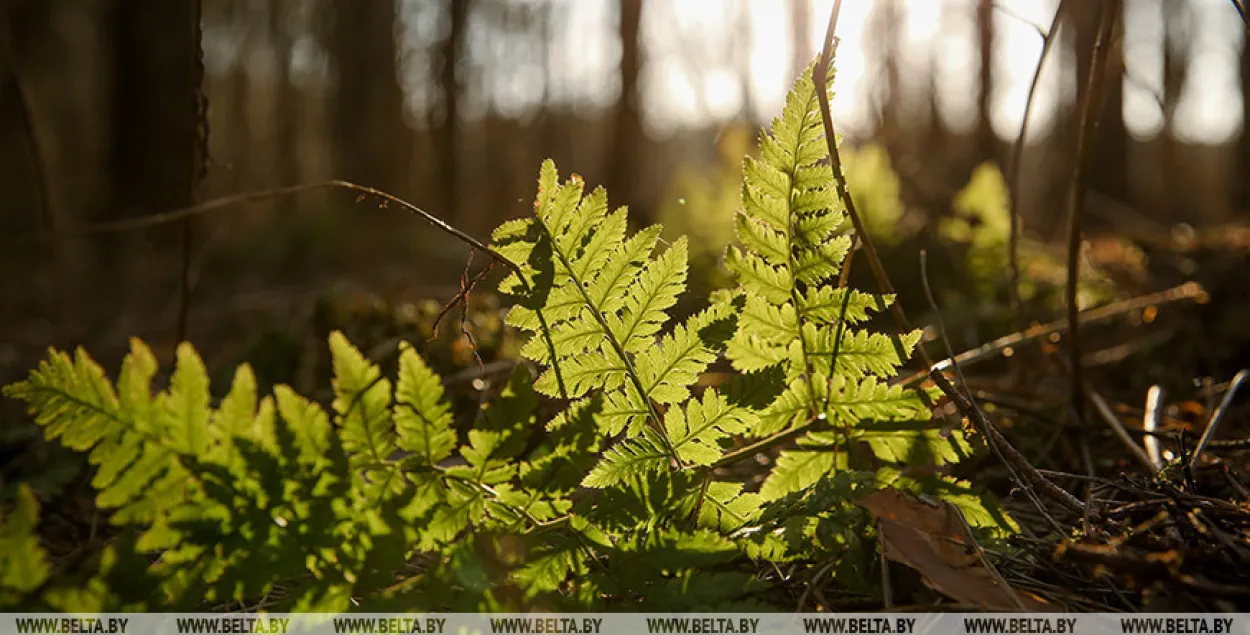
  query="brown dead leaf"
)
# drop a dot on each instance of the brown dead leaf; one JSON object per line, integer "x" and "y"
{"x": 934, "y": 539}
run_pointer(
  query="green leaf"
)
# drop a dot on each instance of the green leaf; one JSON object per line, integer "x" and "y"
{"x": 422, "y": 416}
{"x": 362, "y": 400}
{"x": 696, "y": 431}
{"x": 797, "y": 470}
{"x": 629, "y": 459}
{"x": 23, "y": 562}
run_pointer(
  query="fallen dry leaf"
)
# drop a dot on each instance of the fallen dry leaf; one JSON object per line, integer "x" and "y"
{"x": 935, "y": 540}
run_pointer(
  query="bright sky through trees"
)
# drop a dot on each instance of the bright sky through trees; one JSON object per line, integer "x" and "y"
{"x": 694, "y": 48}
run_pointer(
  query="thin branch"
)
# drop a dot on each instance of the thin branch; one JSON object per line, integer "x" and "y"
{"x": 1187, "y": 291}
{"x": 1241, "y": 11}
{"x": 1214, "y": 422}
{"x": 1013, "y": 168}
{"x": 1091, "y": 105}
{"x": 820, "y": 77}
{"x": 1010, "y": 455}
{"x": 973, "y": 411}
{"x": 1113, "y": 422}
{"x": 218, "y": 204}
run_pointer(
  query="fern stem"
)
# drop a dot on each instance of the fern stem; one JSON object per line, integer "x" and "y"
{"x": 619, "y": 348}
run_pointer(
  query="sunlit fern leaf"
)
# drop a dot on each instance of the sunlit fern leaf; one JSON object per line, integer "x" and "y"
{"x": 797, "y": 470}
{"x": 860, "y": 352}
{"x": 23, "y": 563}
{"x": 629, "y": 459}
{"x": 237, "y": 410}
{"x": 422, "y": 416}
{"x": 622, "y": 410}
{"x": 826, "y": 304}
{"x": 606, "y": 297}
{"x": 696, "y": 431}
{"x": 726, "y": 507}
{"x": 130, "y": 438}
{"x": 851, "y": 401}
{"x": 362, "y": 399}
{"x": 308, "y": 422}
{"x": 669, "y": 368}
{"x": 912, "y": 442}
{"x": 186, "y": 405}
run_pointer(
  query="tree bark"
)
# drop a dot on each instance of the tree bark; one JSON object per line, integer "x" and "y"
{"x": 160, "y": 134}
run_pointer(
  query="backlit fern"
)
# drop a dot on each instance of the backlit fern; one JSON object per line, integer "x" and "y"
{"x": 604, "y": 479}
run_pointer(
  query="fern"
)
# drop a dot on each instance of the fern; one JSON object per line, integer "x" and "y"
{"x": 790, "y": 250}
{"x": 602, "y": 463}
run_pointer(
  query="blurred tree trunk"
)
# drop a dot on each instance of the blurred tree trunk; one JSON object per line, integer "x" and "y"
{"x": 800, "y": 29}
{"x": 884, "y": 29}
{"x": 160, "y": 134}
{"x": 1175, "y": 67}
{"x": 627, "y": 130}
{"x": 373, "y": 141}
{"x": 451, "y": 49}
{"x": 987, "y": 143}
{"x": 157, "y": 150}
{"x": 743, "y": 40}
{"x": 285, "y": 170}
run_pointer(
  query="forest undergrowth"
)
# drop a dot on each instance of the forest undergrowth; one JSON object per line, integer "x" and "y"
{"x": 643, "y": 418}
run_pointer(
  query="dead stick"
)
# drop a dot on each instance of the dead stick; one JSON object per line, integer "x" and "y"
{"x": 1010, "y": 454}
{"x": 1186, "y": 291}
{"x": 979, "y": 415}
{"x": 1013, "y": 167}
{"x": 1091, "y": 106}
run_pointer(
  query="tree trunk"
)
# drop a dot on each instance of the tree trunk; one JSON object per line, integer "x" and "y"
{"x": 627, "y": 130}
{"x": 987, "y": 142}
{"x": 800, "y": 35}
{"x": 285, "y": 170}
{"x": 1176, "y": 17}
{"x": 372, "y": 138}
{"x": 160, "y": 133}
{"x": 450, "y": 83}
{"x": 157, "y": 149}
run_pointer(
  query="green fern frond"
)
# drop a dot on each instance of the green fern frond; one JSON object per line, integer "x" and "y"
{"x": 422, "y": 417}
{"x": 133, "y": 439}
{"x": 696, "y": 431}
{"x": 726, "y": 507}
{"x": 362, "y": 399}
{"x": 797, "y": 470}
{"x": 629, "y": 459}
{"x": 23, "y": 563}
{"x": 603, "y": 296}
{"x": 791, "y": 247}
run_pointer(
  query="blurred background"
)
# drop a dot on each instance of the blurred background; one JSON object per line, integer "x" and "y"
{"x": 118, "y": 109}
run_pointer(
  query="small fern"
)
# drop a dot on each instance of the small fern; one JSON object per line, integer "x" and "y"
{"x": 605, "y": 467}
